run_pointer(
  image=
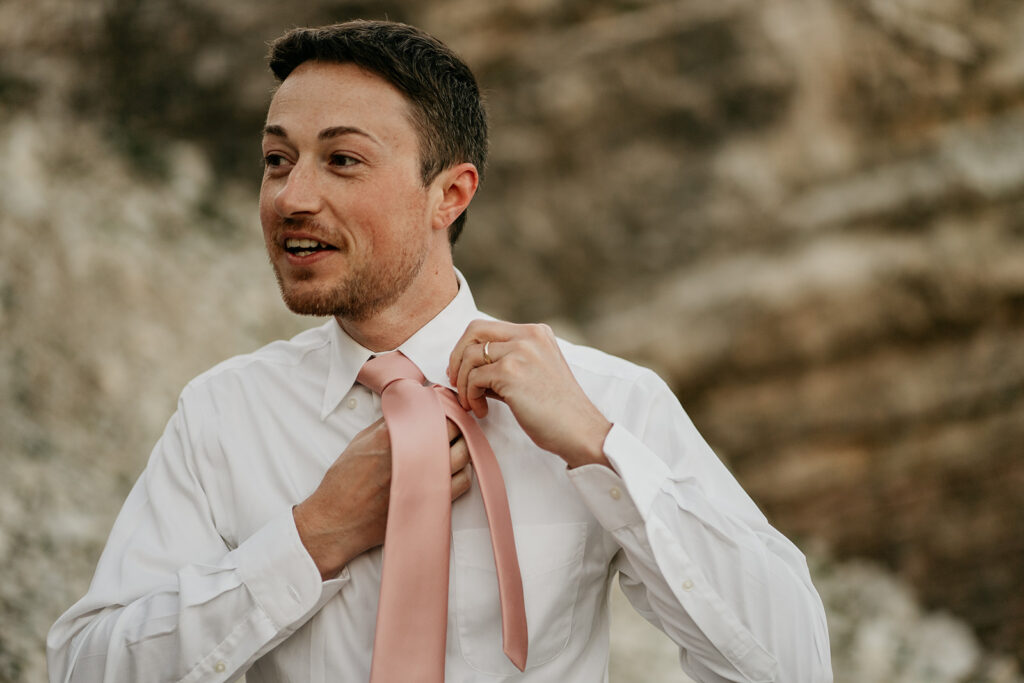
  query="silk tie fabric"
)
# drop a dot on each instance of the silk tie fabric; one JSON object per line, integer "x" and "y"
{"x": 412, "y": 616}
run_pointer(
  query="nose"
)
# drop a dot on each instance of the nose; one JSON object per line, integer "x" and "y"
{"x": 301, "y": 191}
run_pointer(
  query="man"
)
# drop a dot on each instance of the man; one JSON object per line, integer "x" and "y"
{"x": 251, "y": 542}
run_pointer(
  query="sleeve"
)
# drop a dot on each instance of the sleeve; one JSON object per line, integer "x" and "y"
{"x": 698, "y": 559}
{"x": 169, "y": 599}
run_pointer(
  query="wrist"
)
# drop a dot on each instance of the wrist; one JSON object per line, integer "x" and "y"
{"x": 325, "y": 553}
{"x": 590, "y": 450}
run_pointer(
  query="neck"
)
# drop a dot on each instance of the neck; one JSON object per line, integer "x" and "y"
{"x": 419, "y": 304}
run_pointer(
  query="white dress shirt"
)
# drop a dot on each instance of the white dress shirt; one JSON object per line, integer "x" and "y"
{"x": 204, "y": 577}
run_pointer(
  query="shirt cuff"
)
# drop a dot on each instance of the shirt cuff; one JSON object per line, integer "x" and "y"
{"x": 604, "y": 493}
{"x": 280, "y": 574}
{"x": 642, "y": 472}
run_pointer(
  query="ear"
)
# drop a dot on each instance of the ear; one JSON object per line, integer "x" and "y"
{"x": 456, "y": 187}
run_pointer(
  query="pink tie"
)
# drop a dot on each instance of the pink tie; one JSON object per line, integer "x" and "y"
{"x": 412, "y": 617}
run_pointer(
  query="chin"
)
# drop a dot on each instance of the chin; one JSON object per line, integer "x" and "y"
{"x": 308, "y": 303}
{"x": 304, "y": 296}
{"x": 340, "y": 302}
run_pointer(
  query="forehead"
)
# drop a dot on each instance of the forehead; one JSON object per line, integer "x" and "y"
{"x": 318, "y": 95}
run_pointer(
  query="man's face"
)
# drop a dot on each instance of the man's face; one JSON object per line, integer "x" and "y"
{"x": 346, "y": 217}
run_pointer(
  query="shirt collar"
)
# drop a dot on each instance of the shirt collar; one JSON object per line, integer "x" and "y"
{"x": 429, "y": 348}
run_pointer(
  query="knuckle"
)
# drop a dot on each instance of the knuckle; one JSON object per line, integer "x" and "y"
{"x": 512, "y": 364}
{"x": 549, "y": 335}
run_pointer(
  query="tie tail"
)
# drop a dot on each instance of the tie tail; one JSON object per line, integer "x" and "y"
{"x": 515, "y": 636}
{"x": 517, "y": 655}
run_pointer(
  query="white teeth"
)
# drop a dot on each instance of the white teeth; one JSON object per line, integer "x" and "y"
{"x": 302, "y": 244}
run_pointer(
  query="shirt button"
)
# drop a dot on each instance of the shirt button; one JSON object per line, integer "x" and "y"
{"x": 687, "y": 585}
{"x": 352, "y": 403}
{"x": 615, "y": 493}
{"x": 220, "y": 667}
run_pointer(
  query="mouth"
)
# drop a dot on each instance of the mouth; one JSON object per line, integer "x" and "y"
{"x": 304, "y": 246}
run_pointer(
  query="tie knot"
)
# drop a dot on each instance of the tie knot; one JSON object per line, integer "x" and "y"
{"x": 380, "y": 371}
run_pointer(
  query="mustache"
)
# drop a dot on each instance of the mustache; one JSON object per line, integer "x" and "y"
{"x": 308, "y": 225}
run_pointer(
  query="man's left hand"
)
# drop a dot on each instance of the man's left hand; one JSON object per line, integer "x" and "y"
{"x": 525, "y": 369}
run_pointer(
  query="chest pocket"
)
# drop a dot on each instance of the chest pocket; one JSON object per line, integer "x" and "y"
{"x": 550, "y": 560}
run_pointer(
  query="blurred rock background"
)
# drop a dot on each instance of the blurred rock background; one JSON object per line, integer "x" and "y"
{"x": 807, "y": 214}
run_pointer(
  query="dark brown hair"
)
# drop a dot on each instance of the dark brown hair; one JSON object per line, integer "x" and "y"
{"x": 446, "y": 104}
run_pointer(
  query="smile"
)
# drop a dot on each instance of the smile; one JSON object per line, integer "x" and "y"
{"x": 305, "y": 247}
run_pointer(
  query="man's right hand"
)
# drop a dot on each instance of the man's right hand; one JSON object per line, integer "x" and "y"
{"x": 347, "y": 513}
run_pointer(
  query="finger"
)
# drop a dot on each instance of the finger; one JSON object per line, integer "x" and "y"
{"x": 459, "y": 455}
{"x": 462, "y": 481}
{"x": 481, "y": 383}
{"x": 453, "y": 432}
{"x": 471, "y": 359}
{"x": 471, "y": 335}
{"x": 455, "y": 359}
{"x": 454, "y": 362}
{"x": 497, "y": 350}
{"x": 477, "y": 332}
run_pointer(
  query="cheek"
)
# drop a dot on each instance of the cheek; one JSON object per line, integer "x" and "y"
{"x": 268, "y": 216}
{"x": 390, "y": 210}
{"x": 410, "y": 203}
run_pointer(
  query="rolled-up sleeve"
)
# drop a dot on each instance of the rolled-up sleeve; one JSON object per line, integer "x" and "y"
{"x": 698, "y": 559}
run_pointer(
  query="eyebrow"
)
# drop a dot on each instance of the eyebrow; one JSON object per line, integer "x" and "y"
{"x": 325, "y": 134}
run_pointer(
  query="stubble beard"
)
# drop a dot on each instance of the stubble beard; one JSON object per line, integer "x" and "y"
{"x": 366, "y": 290}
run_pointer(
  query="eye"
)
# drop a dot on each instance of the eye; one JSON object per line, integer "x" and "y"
{"x": 273, "y": 160}
{"x": 343, "y": 160}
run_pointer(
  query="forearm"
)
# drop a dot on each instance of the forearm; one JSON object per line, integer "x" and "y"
{"x": 330, "y": 548}
{"x": 741, "y": 609}
{"x": 205, "y": 622}
{"x": 731, "y": 591}
{"x": 158, "y": 638}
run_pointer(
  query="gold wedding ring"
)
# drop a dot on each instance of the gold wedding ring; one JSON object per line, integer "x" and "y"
{"x": 487, "y": 356}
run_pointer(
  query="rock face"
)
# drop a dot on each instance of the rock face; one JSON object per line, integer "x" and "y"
{"x": 807, "y": 214}
{"x": 847, "y": 331}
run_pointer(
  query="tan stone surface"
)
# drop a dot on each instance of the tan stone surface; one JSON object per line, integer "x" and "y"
{"x": 805, "y": 213}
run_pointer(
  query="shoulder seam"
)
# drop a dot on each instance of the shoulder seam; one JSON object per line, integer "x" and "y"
{"x": 244, "y": 360}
